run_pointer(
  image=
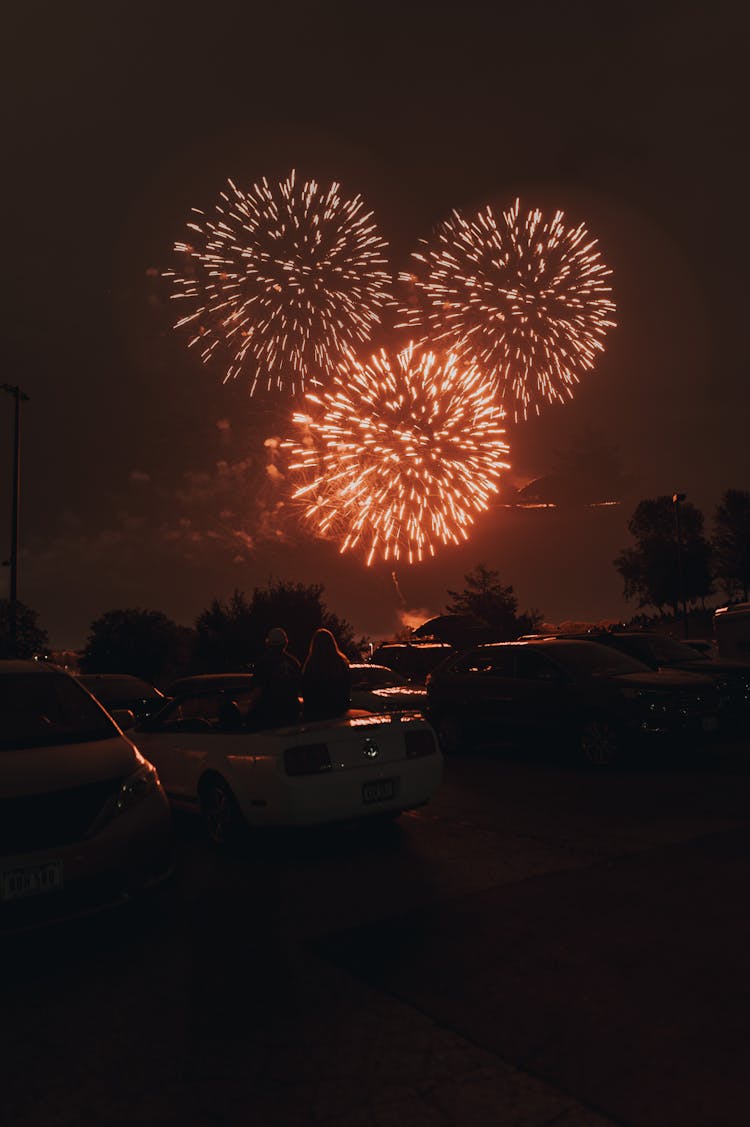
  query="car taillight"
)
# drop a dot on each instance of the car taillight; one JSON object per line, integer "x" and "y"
{"x": 308, "y": 759}
{"x": 419, "y": 743}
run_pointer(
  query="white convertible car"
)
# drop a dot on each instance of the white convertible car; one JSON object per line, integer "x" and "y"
{"x": 357, "y": 766}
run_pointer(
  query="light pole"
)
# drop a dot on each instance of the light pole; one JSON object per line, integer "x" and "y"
{"x": 20, "y": 397}
{"x": 677, "y": 498}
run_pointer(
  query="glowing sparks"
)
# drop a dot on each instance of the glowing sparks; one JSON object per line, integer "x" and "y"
{"x": 524, "y": 298}
{"x": 399, "y": 455}
{"x": 281, "y": 280}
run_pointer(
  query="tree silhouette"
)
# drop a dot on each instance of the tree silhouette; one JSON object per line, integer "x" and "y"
{"x": 144, "y": 643}
{"x": 651, "y": 569}
{"x": 487, "y": 599}
{"x": 31, "y": 638}
{"x": 230, "y": 636}
{"x": 731, "y": 542}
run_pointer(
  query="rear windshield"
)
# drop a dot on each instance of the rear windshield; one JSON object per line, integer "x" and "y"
{"x": 375, "y": 677}
{"x": 38, "y": 710}
{"x": 592, "y": 660}
{"x": 659, "y": 648}
{"x": 118, "y": 690}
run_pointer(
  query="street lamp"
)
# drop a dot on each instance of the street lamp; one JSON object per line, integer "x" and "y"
{"x": 20, "y": 397}
{"x": 677, "y": 499}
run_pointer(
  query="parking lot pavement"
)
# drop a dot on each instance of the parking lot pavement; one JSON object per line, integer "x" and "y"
{"x": 624, "y": 983}
{"x": 194, "y": 1020}
{"x": 538, "y": 946}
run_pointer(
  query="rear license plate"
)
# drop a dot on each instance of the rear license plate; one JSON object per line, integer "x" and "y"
{"x": 32, "y": 880}
{"x": 379, "y": 791}
{"x": 710, "y": 723}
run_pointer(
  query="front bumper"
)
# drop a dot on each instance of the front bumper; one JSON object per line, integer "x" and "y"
{"x": 130, "y": 855}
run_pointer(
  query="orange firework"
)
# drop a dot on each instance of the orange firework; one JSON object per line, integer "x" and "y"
{"x": 399, "y": 455}
{"x": 525, "y": 299}
{"x": 281, "y": 280}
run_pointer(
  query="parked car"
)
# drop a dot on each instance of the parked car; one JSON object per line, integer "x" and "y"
{"x": 732, "y": 630}
{"x": 354, "y": 767}
{"x": 220, "y": 681}
{"x": 380, "y": 689}
{"x": 591, "y": 697}
{"x": 84, "y": 822}
{"x": 659, "y": 651}
{"x": 413, "y": 660}
{"x": 122, "y": 691}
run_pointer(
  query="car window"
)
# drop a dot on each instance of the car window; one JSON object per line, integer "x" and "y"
{"x": 531, "y": 665}
{"x": 491, "y": 661}
{"x": 589, "y": 659}
{"x": 205, "y": 712}
{"x": 119, "y": 690}
{"x": 669, "y": 649}
{"x": 375, "y": 678}
{"x": 40, "y": 710}
{"x": 639, "y": 648}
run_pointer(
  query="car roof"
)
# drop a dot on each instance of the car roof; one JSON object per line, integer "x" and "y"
{"x": 117, "y": 680}
{"x": 416, "y": 645}
{"x": 546, "y": 643}
{"x": 210, "y": 681}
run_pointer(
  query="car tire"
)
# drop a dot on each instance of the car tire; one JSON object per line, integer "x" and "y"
{"x": 451, "y": 734}
{"x": 600, "y": 742}
{"x": 221, "y": 815}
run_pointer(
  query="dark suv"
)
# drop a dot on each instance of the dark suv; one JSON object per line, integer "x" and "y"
{"x": 588, "y": 696}
{"x": 658, "y": 651}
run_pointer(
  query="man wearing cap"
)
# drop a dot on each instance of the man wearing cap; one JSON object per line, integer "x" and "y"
{"x": 276, "y": 687}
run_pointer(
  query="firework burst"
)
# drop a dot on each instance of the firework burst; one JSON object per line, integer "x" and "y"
{"x": 399, "y": 455}
{"x": 281, "y": 280}
{"x": 524, "y": 298}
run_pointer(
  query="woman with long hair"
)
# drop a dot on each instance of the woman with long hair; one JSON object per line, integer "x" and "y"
{"x": 326, "y": 681}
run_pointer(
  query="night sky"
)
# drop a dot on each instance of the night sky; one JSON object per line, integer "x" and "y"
{"x": 145, "y": 480}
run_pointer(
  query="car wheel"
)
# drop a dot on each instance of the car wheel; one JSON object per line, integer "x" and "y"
{"x": 221, "y": 814}
{"x": 451, "y": 735}
{"x": 600, "y": 742}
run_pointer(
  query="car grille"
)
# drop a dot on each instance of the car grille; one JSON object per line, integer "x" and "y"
{"x": 693, "y": 705}
{"x": 735, "y": 692}
{"x": 38, "y": 821}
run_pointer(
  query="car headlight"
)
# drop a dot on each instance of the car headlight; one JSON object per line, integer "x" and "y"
{"x": 132, "y": 791}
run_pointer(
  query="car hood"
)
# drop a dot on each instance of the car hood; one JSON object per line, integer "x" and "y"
{"x": 713, "y": 668}
{"x": 663, "y": 679}
{"x": 40, "y": 770}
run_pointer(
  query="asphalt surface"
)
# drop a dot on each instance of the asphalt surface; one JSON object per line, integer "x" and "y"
{"x": 540, "y": 945}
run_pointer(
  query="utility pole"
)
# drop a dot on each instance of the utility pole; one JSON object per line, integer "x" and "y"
{"x": 677, "y": 498}
{"x": 20, "y": 397}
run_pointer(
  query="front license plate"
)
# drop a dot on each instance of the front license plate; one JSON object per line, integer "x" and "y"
{"x": 32, "y": 880}
{"x": 710, "y": 723}
{"x": 379, "y": 791}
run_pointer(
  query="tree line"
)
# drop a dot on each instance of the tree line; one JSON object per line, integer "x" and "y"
{"x": 230, "y": 636}
{"x": 668, "y": 563}
{"x": 658, "y": 569}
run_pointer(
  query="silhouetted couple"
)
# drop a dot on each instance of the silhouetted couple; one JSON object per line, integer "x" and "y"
{"x": 323, "y": 681}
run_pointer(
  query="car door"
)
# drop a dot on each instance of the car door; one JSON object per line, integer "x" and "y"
{"x": 541, "y": 703}
{"x": 181, "y": 735}
{"x": 482, "y": 691}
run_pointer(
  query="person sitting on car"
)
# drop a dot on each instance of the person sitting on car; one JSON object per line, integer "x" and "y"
{"x": 276, "y": 686}
{"x": 230, "y": 716}
{"x": 326, "y": 679}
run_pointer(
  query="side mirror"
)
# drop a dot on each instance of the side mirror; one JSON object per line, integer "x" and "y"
{"x": 123, "y": 718}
